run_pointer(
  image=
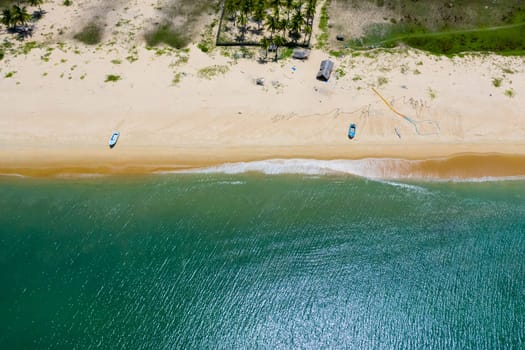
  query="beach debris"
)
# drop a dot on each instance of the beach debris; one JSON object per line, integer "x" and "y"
{"x": 397, "y": 132}
{"x": 301, "y": 54}
{"x": 259, "y": 81}
{"x": 325, "y": 70}
{"x": 294, "y": 68}
{"x": 340, "y": 37}
{"x": 276, "y": 83}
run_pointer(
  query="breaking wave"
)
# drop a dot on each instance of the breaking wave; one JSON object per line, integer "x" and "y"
{"x": 446, "y": 169}
{"x": 375, "y": 168}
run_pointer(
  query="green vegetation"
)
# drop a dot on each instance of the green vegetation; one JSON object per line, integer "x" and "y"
{"x": 15, "y": 16}
{"x": 165, "y": 34}
{"x": 10, "y": 74}
{"x": 67, "y": 3}
{"x": 28, "y": 46}
{"x": 116, "y": 61}
{"x": 1, "y": 54}
{"x": 212, "y": 71}
{"x": 91, "y": 34}
{"x": 509, "y": 93}
{"x": 287, "y": 52}
{"x": 176, "y": 79}
{"x": 382, "y": 81}
{"x": 448, "y": 27}
{"x": 322, "y": 39}
{"x": 264, "y": 21}
{"x": 112, "y": 78}
{"x": 180, "y": 22}
{"x": 431, "y": 93}
{"x": 207, "y": 44}
{"x": 496, "y": 82}
{"x": 340, "y": 73}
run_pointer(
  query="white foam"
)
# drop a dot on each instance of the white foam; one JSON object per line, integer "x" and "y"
{"x": 373, "y": 168}
{"x": 406, "y": 186}
{"x": 231, "y": 182}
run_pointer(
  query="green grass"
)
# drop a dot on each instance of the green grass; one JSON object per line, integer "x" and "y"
{"x": 505, "y": 40}
{"x": 1, "y": 54}
{"x": 496, "y": 82}
{"x": 322, "y": 39}
{"x": 164, "y": 34}
{"x": 9, "y": 74}
{"x": 286, "y": 52}
{"x": 340, "y": 73}
{"x": 91, "y": 34}
{"x": 509, "y": 93}
{"x": 112, "y": 78}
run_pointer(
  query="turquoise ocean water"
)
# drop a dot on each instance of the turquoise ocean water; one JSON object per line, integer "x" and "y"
{"x": 198, "y": 261}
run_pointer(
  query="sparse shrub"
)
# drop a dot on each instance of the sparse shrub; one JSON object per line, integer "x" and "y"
{"x": 176, "y": 79}
{"x": 382, "y": 81}
{"x": 431, "y": 93}
{"x": 164, "y": 34}
{"x": 212, "y": 71}
{"x": 91, "y": 34}
{"x": 496, "y": 82}
{"x": 509, "y": 93}
{"x": 111, "y": 78}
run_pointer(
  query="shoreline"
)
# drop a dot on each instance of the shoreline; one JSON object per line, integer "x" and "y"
{"x": 386, "y": 165}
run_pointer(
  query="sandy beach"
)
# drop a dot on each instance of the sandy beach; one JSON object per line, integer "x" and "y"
{"x": 179, "y": 109}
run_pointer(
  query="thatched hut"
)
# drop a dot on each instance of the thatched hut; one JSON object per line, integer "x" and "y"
{"x": 325, "y": 70}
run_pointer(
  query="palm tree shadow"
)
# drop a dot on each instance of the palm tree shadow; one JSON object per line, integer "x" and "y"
{"x": 23, "y": 32}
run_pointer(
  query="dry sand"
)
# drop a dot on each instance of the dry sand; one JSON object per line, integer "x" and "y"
{"x": 58, "y": 114}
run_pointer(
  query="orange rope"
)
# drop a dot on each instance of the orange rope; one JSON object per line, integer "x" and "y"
{"x": 388, "y": 104}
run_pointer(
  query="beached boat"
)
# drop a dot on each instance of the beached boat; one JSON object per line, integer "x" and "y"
{"x": 351, "y": 131}
{"x": 113, "y": 139}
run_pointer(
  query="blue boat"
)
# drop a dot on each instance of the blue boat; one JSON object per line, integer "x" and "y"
{"x": 113, "y": 139}
{"x": 351, "y": 131}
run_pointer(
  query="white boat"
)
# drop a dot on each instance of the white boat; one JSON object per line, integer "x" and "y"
{"x": 113, "y": 139}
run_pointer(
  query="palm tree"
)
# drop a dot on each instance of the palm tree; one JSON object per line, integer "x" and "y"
{"x": 278, "y": 42}
{"x": 289, "y": 5}
{"x": 231, "y": 7}
{"x": 272, "y": 23}
{"x": 265, "y": 44}
{"x": 7, "y": 18}
{"x": 20, "y": 15}
{"x": 296, "y": 24}
{"x": 243, "y": 21}
{"x": 259, "y": 12}
{"x": 310, "y": 12}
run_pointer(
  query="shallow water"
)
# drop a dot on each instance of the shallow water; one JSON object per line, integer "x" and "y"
{"x": 251, "y": 260}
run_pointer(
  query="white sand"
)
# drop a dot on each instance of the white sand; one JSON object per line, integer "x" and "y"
{"x": 58, "y": 115}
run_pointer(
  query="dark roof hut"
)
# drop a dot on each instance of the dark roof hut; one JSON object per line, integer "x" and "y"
{"x": 301, "y": 54}
{"x": 325, "y": 70}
